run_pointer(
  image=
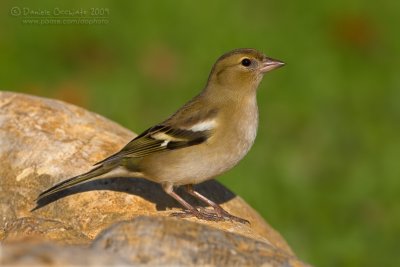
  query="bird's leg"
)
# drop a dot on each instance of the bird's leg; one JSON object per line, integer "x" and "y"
{"x": 217, "y": 208}
{"x": 190, "y": 210}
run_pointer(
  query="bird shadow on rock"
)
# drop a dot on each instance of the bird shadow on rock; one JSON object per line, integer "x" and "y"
{"x": 146, "y": 189}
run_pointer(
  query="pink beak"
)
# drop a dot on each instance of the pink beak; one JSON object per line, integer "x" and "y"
{"x": 270, "y": 64}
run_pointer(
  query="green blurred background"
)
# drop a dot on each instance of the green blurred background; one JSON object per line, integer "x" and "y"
{"x": 325, "y": 168}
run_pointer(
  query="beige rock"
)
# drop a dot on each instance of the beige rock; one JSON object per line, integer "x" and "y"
{"x": 45, "y": 141}
{"x": 32, "y": 229}
{"x": 159, "y": 241}
{"x": 48, "y": 254}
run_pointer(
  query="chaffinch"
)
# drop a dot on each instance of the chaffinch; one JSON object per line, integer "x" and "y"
{"x": 203, "y": 139}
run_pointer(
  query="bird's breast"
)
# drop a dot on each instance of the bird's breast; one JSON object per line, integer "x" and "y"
{"x": 243, "y": 131}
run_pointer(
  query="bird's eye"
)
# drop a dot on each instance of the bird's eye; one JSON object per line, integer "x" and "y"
{"x": 246, "y": 62}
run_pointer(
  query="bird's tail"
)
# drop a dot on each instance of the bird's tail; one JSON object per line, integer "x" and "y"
{"x": 95, "y": 172}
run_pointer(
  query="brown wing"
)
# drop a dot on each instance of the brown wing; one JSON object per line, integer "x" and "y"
{"x": 156, "y": 139}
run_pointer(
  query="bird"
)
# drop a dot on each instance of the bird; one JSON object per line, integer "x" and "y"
{"x": 206, "y": 137}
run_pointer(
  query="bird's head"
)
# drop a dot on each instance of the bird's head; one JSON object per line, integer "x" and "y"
{"x": 241, "y": 69}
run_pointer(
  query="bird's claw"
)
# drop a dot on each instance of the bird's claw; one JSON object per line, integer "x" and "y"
{"x": 202, "y": 214}
{"x": 227, "y": 216}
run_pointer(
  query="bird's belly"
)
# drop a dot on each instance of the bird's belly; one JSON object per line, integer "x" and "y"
{"x": 189, "y": 168}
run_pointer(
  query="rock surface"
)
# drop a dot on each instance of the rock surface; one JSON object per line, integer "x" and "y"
{"x": 45, "y": 141}
{"x": 46, "y": 254}
{"x": 148, "y": 240}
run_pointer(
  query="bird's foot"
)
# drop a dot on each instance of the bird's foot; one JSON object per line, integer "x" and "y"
{"x": 213, "y": 215}
{"x": 227, "y": 216}
{"x": 199, "y": 214}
